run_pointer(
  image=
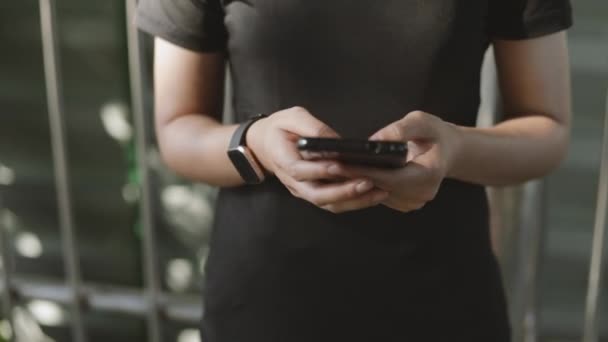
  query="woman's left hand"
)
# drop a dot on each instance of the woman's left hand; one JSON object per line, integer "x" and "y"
{"x": 433, "y": 145}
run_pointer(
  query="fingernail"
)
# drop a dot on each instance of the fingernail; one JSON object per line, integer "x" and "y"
{"x": 333, "y": 170}
{"x": 364, "y": 186}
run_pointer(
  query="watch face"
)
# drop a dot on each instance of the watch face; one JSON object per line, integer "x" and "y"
{"x": 246, "y": 165}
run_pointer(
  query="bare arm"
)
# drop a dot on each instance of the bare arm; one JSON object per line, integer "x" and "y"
{"x": 188, "y": 100}
{"x": 193, "y": 142}
{"x": 535, "y": 82}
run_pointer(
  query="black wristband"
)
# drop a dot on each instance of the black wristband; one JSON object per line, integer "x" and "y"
{"x": 240, "y": 135}
{"x": 241, "y": 156}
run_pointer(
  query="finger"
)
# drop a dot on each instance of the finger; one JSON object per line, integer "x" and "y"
{"x": 302, "y": 123}
{"x": 317, "y": 155}
{"x": 303, "y": 170}
{"x": 386, "y": 178}
{"x": 286, "y": 153}
{"x": 416, "y": 125}
{"x": 367, "y": 200}
{"x": 391, "y": 132}
{"x": 382, "y": 178}
{"x": 322, "y": 194}
{"x": 293, "y": 163}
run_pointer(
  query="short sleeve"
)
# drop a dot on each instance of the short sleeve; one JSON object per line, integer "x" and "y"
{"x": 192, "y": 24}
{"x": 523, "y": 19}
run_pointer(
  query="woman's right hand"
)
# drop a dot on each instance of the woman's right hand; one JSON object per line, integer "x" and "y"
{"x": 273, "y": 141}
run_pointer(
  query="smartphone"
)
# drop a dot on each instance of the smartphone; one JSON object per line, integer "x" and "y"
{"x": 383, "y": 154}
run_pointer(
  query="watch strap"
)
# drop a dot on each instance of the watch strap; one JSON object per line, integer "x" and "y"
{"x": 240, "y": 135}
{"x": 242, "y": 157}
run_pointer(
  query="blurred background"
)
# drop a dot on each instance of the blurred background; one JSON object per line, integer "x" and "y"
{"x": 121, "y": 258}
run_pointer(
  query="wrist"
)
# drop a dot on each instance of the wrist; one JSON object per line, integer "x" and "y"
{"x": 455, "y": 143}
{"x": 255, "y": 142}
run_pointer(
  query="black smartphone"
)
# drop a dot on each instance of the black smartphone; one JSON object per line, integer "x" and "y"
{"x": 384, "y": 154}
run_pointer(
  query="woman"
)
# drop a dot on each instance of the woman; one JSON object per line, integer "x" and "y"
{"x": 373, "y": 254}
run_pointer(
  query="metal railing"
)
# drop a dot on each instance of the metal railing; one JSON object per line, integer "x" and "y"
{"x": 598, "y": 253}
{"x": 52, "y": 72}
{"x": 149, "y": 258}
{"x": 181, "y": 308}
{"x": 7, "y": 272}
{"x": 150, "y": 302}
{"x": 530, "y": 244}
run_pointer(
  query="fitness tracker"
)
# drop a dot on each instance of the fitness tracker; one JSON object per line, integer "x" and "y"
{"x": 242, "y": 157}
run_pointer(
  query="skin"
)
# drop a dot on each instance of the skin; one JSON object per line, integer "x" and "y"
{"x": 531, "y": 142}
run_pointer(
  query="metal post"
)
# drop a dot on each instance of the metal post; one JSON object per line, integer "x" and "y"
{"x": 149, "y": 257}
{"x": 533, "y": 207}
{"x": 7, "y": 272}
{"x": 490, "y": 107}
{"x": 58, "y": 144}
{"x": 600, "y": 239}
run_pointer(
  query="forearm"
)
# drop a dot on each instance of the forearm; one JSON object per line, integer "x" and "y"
{"x": 511, "y": 152}
{"x": 195, "y": 146}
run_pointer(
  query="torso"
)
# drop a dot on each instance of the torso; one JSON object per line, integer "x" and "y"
{"x": 281, "y": 269}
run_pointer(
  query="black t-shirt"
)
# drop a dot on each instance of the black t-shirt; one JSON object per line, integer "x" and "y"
{"x": 281, "y": 269}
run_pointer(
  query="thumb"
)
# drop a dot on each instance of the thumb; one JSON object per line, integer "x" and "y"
{"x": 414, "y": 126}
{"x": 301, "y": 122}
